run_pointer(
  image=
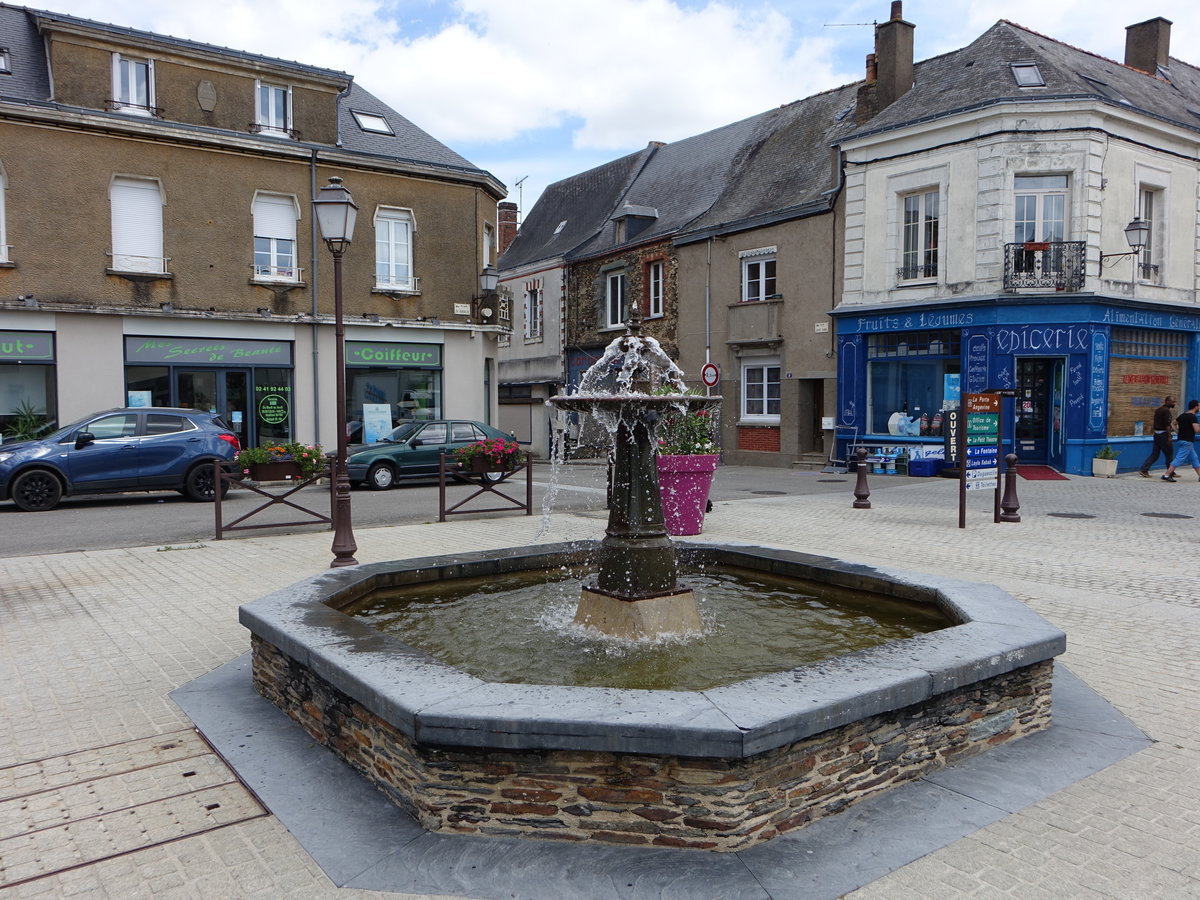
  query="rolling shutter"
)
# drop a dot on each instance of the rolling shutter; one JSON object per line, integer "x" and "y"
{"x": 137, "y": 225}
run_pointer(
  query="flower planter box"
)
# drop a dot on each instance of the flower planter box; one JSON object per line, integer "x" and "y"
{"x": 479, "y": 464}
{"x": 1104, "y": 468}
{"x": 284, "y": 470}
{"x": 683, "y": 483}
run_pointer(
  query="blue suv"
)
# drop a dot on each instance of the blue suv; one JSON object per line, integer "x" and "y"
{"x": 132, "y": 449}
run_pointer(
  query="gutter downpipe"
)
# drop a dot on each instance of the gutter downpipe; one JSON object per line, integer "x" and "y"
{"x": 314, "y": 331}
{"x": 708, "y": 311}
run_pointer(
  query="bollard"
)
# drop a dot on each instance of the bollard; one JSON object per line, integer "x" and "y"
{"x": 861, "y": 491}
{"x": 1009, "y": 503}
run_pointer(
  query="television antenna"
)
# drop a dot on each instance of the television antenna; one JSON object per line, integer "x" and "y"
{"x": 520, "y": 193}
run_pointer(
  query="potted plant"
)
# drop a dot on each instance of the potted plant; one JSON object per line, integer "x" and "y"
{"x": 687, "y": 459}
{"x": 28, "y": 424}
{"x": 1104, "y": 463}
{"x": 491, "y": 455}
{"x": 287, "y": 461}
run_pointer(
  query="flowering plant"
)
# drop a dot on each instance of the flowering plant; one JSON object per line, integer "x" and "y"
{"x": 690, "y": 433}
{"x": 497, "y": 451}
{"x": 309, "y": 457}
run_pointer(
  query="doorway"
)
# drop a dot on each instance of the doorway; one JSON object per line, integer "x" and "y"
{"x": 1038, "y": 412}
{"x": 221, "y": 391}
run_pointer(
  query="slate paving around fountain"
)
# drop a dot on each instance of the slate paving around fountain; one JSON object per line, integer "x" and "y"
{"x": 362, "y": 840}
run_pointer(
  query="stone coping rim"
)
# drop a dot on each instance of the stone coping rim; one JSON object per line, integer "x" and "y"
{"x": 436, "y": 703}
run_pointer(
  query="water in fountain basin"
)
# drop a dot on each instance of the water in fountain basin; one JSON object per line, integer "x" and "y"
{"x": 521, "y": 631}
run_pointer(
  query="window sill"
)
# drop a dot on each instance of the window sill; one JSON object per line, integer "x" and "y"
{"x": 140, "y": 276}
{"x": 396, "y": 290}
{"x": 605, "y": 328}
{"x": 916, "y": 282}
{"x": 7, "y": 264}
{"x": 535, "y": 340}
{"x": 278, "y": 283}
{"x": 766, "y": 422}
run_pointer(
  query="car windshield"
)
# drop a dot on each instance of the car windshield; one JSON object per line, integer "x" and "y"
{"x": 400, "y": 434}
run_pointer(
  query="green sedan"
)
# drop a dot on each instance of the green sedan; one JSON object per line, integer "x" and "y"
{"x": 412, "y": 450}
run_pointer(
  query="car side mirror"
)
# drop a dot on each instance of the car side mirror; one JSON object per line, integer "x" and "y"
{"x": 83, "y": 439}
{"x": 415, "y": 442}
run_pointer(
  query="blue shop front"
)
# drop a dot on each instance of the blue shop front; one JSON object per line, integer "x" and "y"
{"x": 1078, "y": 373}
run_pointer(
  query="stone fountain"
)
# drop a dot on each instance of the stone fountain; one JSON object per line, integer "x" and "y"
{"x": 718, "y": 768}
{"x": 636, "y": 594}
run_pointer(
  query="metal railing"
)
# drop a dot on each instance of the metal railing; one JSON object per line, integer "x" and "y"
{"x": 1045, "y": 265}
{"x": 263, "y": 128}
{"x": 917, "y": 270}
{"x": 136, "y": 108}
{"x": 140, "y": 265}
{"x": 400, "y": 285}
{"x": 279, "y": 273}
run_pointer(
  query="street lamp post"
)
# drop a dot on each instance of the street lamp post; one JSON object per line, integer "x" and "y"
{"x": 336, "y": 212}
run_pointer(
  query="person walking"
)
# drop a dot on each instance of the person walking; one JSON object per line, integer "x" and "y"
{"x": 1186, "y": 427}
{"x": 1162, "y": 437}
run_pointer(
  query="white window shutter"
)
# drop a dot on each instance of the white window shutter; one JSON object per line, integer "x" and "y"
{"x": 137, "y": 225}
{"x": 274, "y": 217}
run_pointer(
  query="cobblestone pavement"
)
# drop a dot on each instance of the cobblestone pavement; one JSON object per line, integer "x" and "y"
{"x": 105, "y": 791}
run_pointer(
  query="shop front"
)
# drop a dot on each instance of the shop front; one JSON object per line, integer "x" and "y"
{"x": 248, "y": 382}
{"x": 389, "y": 383}
{"x": 28, "y": 399}
{"x": 1076, "y": 375}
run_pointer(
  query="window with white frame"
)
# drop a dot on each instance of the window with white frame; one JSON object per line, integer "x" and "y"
{"x": 919, "y": 227}
{"x": 394, "y": 249}
{"x": 655, "y": 289}
{"x": 136, "y": 205}
{"x": 533, "y": 308}
{"x": 275, "y": 218}
{"x": 3, "y": 229}
{"x": 1040, "y": 216}
{"x": 1151, "y": 210}
{"x": 273, "y": 108}
{"x": 489, "y": 244}
{"x": 614, "y": 300}
{"x": 133, "y": 85}
{"x": 5, "y": 65}
{"x": 760, "y": 391}
{"x": 758, "y": 274}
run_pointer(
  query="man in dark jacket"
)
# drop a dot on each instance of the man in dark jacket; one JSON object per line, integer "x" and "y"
{"x": 1185, "y": 441}
{"x": 1162, "y": 436}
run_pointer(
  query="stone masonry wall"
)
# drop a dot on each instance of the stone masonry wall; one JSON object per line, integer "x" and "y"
{"x": 666, "y": 801}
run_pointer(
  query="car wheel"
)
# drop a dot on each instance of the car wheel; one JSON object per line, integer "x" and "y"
{"x": 490, "y": 477}
{"x": 381, "y": 477}
{"x": 199, "y": 484}
{"x": 36, "y": 491}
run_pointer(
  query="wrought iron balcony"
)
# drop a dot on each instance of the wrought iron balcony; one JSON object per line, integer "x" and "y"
{"x": 1044, "y": 266}
{"x": 920, "y": 270}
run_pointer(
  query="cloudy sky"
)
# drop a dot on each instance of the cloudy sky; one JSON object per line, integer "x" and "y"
{"x": 541, "y": 89}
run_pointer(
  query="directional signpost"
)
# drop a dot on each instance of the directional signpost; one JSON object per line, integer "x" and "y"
{"x": 979, "y": 449}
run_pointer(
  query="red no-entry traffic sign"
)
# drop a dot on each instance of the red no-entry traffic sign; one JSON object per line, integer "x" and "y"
{"x": 710, "y": 374}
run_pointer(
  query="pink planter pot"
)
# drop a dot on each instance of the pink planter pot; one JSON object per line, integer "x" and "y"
{"x": 683, "y": 483}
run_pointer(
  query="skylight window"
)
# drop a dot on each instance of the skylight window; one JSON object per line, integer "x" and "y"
{"x": 371, "y": 122}
{"x": 4, "y": 66}
{"x": 1103, "y": 88}
{"x": 1028, "y": 74}
{"x": 561, "y": 226}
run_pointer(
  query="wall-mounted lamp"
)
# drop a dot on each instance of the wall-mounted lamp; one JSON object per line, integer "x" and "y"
{"x": 485, "y": 304}
{"x": 1137, "y": 234}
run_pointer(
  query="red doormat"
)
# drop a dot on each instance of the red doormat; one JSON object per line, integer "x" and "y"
{"x": 1040, "y": 473}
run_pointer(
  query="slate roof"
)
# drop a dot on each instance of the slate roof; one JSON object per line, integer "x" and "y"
{"x": 29, "y": 78}
{"x": 30, "y": 82}
{"x": 583, "y": 202}
{"x": 979, "y": 75}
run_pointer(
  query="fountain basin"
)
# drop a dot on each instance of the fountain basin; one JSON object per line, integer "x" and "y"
{"x": 717, "y": 769}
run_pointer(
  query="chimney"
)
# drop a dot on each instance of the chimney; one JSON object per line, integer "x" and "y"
{"x": 506, "y": 219}
{"x": 1148, "y": 45}
{"x": 894, "y": 56}
{"x": 866, "y": 102}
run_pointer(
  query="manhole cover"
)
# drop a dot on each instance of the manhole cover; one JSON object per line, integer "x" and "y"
{"x": 832, "y": 480}
{"x": 770, "y": 493}
{"x": 1166, "y": 515}
{"x": 1071, "y": 515}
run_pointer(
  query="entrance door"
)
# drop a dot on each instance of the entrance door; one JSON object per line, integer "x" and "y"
{"x": 1039, "y": 410}
{"x": 221, "y": 391}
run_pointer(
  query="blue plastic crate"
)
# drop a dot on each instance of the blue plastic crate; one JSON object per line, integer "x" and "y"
{"x": 924, "y": 468}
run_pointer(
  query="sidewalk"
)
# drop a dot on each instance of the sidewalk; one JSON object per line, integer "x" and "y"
{"x": 98, "y": 763}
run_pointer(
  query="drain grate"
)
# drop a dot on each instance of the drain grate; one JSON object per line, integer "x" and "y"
{"x": 832, "y": 480}
{"x": 770, "y": 493}
{"x": 1071, "y": 515}
{"x": 1166, "y": 515}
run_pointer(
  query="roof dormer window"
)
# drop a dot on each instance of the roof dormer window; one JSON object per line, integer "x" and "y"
{"x": 133, "y": 85}
{"x": 1027, "y": 74}
{"x": 372, "y": 122}
{"x": 5, "y": 65}
{"x": 273, "y": 109}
